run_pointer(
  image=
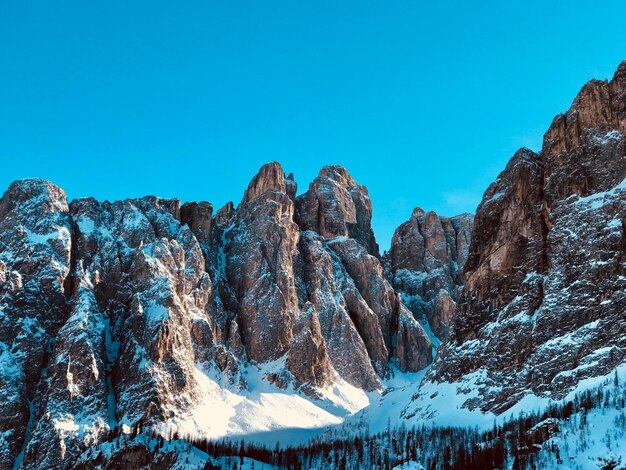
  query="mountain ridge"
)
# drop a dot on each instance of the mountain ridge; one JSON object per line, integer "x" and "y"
{"x": 153, "y": 317}
{"x": 169, "y": 292}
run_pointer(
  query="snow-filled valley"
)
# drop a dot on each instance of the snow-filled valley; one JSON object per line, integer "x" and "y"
{"x": 587, "y": 430}
{"x": 262, "y": 412}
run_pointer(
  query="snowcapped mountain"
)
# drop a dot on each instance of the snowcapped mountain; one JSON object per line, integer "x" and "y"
{"x": 545, "y": 281}
{"x": 138, "y": 333}
{"x": 149, "y": 315}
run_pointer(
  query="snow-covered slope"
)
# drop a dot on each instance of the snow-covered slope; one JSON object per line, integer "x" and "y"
{"x": 262, "y": 412}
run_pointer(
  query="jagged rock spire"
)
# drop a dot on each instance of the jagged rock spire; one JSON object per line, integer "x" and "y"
{"x": 336, "y": 205}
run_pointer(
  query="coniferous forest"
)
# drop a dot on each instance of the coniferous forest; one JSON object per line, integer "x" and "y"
{"x": 531, "y": 441}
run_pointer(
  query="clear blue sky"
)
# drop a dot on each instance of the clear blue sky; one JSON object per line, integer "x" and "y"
{"x": 423, "y": 102}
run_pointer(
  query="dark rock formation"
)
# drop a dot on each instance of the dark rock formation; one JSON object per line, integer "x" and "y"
{"x": 425, "y": 264}
{"x": 545, "y": 286}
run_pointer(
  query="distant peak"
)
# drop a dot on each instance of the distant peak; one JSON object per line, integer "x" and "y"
{"x": 418, "y": 212}
{"x": 620, "y": 73}
{"x": 28, "y": 188}
{"x": 598, "y": 104}
{"x": 224, "y": 215}
{"x": 270, "y": 177}
{"x": 337, "y": 173}
{"x": 32, "y": 183}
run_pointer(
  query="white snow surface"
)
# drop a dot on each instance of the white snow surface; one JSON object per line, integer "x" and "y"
{"x": 263, "y": 412}
{"x": 410, "y": 400}
{"x": 597, "y": 200}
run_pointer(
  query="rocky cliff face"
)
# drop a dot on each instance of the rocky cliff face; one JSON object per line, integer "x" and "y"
{"x": 545, "y": 286}
{"x": 336, "y": 205}
{"x": 137, "y": 300}
{"x": 35, "y": 258}
{"x": 425, "y": 264}
{"x": 113, "y": 314}
{"x": 260, "y": 253}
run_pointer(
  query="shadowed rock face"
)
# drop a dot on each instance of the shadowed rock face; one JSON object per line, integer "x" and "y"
{"x": 545, "y": 286}
{"x": 412, "y": 346}
{"x": 377, "y": 312}
{"x": 340, "y": 308}
{"x": 126, "y": 353}
{"x": 35, "y": 247}
{"x": 112, "y": 312}
{"x": 425, "y": 264}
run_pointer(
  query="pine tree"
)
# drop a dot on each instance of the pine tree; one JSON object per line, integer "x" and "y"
{"x": 447, "y": 455}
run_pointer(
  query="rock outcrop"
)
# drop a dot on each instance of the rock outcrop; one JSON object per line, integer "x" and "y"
{"x": 308, "y": 359}
{"x": 119, "y": 319}
{"x": 336, "y": 205}
{"x": 125, "y": 356}
{"x": 326, "y": 284}
{"x": 260, "y": 252}
{"x": 545, "y": 286}
{"x": 35, "y": 252}
{"x": 425, "y": 264}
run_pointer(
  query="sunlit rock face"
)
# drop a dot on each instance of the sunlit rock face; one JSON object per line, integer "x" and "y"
{"x": 545, "y": 280}
{"x": 116, "y": 315}
{"x": 260, "y": 255}
{"x": 336, "y": 205}
{"x": 136, "y": 316}
{"x": 145, "y": 316}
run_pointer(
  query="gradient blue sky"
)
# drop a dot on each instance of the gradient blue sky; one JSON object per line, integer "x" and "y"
{"x": 423, "y": 102}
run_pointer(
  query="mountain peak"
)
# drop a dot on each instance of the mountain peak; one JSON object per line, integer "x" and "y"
{"x": 270, "y": 177}
{"x": 37, "y": 191}
{"x": 336, "y": 205}
{"x": 620, "y": 73}
{"x": 339, "y": 174}
{"x": 598, "y": 105}
{"x": 418, "y": 212}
